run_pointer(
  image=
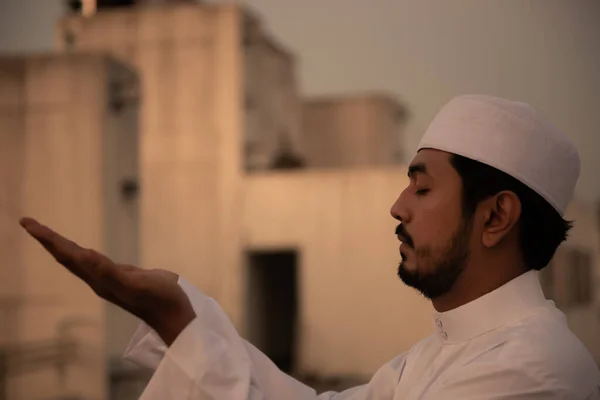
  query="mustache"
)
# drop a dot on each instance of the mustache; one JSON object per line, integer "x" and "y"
{"x": 403, "y": 236}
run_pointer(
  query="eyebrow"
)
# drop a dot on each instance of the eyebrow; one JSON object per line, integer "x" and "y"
{"x": 415, "y": 169}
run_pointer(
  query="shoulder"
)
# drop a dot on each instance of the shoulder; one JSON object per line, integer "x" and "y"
{"x": 546, "y": 346}
{"x": 539, "y": 352}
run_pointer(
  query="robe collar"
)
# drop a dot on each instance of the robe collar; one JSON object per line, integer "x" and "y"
{"x": 502, "y": 306}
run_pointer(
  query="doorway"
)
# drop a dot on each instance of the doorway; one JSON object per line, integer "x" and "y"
{"x": 272, "y": 305}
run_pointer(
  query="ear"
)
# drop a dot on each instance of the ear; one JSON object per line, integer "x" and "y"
{"x": 501, "y": 214}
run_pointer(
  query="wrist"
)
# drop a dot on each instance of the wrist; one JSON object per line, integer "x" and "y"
{"x": 174, "y": 323}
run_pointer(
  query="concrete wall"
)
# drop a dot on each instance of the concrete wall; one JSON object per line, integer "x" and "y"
{"x": 53, "y": 122}
{"x": 122, "y": 207}
{"x": 350, "y": 294}
{"x": 352, "y": 131}
{"x": 271, "y": 98}
{"x": 584, "y": 319}
{"x": 189, "y": 58}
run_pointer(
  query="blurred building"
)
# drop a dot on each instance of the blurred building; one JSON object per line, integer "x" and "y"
{"x": 198, "y": 114}
{"x": 572, "y": 280}
{"x": 68, "y": 154}
{"x": 363, "y": 130}
{"x": 223, "y": 140}
{"x": 277, "y": 207}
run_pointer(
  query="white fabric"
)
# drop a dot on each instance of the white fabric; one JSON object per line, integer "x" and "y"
{"x": 510, "y": 344}
{"x": 511, "y": 137}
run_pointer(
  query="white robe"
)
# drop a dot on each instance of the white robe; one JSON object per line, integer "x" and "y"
{"x": 511, "y": 344}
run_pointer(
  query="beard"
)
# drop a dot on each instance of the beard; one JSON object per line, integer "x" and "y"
{"x": 447, "y": 265}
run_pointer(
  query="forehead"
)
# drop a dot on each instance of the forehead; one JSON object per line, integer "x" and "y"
{"x": 432, "y": 162}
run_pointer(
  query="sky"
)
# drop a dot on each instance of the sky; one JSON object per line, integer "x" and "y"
{"x": 544, "y": 52}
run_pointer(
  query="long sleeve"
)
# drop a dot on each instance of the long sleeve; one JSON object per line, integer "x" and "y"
{"x": 209, "y": 360}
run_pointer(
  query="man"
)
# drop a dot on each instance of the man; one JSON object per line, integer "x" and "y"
{"x": 483, "y": 211}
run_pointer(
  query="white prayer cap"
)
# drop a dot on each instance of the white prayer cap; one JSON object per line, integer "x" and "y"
{"x": 511, "y": 137}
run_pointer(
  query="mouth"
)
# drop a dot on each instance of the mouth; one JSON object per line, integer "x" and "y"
{"x": 403, "y": 238}
{"x": 403, "y": 257}
{"x": 403, "y": 248}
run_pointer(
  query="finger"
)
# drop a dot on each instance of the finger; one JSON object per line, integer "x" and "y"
{"x": 94, "y": 268}
{"x": 63, "y": 250}
{"x": 114, "y": 283}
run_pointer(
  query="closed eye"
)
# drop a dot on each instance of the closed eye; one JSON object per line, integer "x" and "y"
{"x": 421, "y": 192}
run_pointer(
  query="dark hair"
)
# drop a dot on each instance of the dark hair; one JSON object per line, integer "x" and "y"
{"x": 541, "y": 228}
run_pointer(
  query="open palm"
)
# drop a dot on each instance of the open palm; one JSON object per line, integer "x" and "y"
{"x": 154, "y": 296}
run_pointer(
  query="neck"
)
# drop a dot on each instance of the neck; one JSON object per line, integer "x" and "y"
{"x": 476, "y": 281}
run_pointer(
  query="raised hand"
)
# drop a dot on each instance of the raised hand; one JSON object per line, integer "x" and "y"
{"x": 154, "y": 296}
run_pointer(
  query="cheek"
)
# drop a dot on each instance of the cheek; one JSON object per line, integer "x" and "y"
{"x": 436, "y": 221}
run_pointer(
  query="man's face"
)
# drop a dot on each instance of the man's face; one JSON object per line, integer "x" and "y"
{"x": 434, "y": 233}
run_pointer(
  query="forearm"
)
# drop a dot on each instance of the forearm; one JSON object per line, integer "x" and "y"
{"x": 209, "y": 360}
{"x": 201, "y": 365}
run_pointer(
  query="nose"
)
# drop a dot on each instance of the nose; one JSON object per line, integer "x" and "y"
{"x": 399, "y": 210}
